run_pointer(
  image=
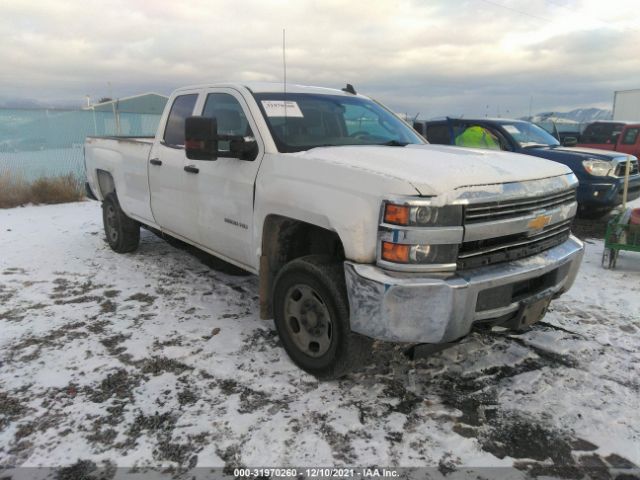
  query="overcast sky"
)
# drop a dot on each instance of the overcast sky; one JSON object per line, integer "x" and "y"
{"x": 438, "y": 57}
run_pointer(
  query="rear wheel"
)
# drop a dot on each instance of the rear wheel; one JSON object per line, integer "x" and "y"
{"x": 311, "y": 312}
{"x": 123, "y": 233}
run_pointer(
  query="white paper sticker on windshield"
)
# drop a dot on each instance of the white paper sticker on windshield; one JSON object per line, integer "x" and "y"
{"x": 511, "y": 129}
{"x": 277, "y": 108}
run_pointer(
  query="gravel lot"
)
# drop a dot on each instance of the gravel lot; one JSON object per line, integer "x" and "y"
{"x": 153, "y": 359}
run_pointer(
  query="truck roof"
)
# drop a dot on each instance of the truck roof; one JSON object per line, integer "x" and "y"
{"x": 273, "y": 87}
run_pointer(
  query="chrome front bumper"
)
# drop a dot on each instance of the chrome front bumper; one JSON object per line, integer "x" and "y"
{"x": 431, "y": 308}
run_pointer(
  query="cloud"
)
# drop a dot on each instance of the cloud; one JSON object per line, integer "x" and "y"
{"x": 437, "y": 57}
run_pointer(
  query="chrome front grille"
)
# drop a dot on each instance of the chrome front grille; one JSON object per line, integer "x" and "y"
{"x": 622, "y": 167}
{"x": 487, "y": 212}
{"x": 508, "y": 230}
{"x": 512, "y": 247}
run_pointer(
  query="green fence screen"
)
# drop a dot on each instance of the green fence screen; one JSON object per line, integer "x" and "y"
{"x": 48, "y": 143}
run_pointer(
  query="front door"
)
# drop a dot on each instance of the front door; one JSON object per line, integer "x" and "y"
{"x": 222, "y": 191}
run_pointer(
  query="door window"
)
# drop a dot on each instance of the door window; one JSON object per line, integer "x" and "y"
{"x": 601, "y": 132}
{"x": 181, "y": 109}
{"x": 439, "y": 134}
{"x": 475, "y": 136}
{"x": 630, "y": 136}
{"x": 230, "y": 116}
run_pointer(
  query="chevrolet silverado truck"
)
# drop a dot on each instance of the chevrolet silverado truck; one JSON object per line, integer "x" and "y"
{"x": 357, "y": 228}
{"x": 600, "y": 172}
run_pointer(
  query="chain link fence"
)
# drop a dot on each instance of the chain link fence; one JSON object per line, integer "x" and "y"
{"x": 42, "y": 143}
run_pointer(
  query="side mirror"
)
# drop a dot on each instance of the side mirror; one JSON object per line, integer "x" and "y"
{"x": 570, "y": 141}
{"x": 201, "y": 138}
{"x": 244, "y": 148}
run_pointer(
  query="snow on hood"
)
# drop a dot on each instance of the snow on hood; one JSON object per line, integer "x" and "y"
{"x": 436, "y": 169}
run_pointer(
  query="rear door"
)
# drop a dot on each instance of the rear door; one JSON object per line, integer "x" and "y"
{"x": 221, "y": 192}
{"x": 630, "y": 141}
{"x": 169, "y": 200}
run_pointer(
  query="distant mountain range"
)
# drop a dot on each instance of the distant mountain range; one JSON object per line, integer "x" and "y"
{"x": 19, "y": 103}
{"x": 579, "y": 115}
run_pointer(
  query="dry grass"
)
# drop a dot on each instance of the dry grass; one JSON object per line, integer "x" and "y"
{"x": 15, "y": 191}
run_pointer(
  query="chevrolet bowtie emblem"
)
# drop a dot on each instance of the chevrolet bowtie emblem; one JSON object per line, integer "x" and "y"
{"x": 539, "y": 222}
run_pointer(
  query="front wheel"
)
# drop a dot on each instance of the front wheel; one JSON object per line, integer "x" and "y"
{"x": 123, "y": 233}
{"x": 311, "y": 312}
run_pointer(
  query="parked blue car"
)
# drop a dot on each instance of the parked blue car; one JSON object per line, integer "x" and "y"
{"x": 600, "y": 172}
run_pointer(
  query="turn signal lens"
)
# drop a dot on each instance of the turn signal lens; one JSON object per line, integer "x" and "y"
{"x": 395, "y": 252}
{"x": 396, "y": 214}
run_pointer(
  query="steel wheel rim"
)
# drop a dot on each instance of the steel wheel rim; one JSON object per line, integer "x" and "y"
{"x": 112, "y": 228}
{"x": 307, "y": 320}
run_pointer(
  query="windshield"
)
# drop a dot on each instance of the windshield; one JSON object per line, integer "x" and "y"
{"x": 314, "y": 120}
{"x": 529, "y": 135}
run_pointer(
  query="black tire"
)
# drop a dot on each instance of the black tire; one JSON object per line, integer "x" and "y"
{"x": 319, "y": 283}
{"x": 123, "y": 233}
{"x": 593, "y": 213}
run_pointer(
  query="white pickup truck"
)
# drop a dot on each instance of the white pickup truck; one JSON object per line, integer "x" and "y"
{"x": 357, "y": 228}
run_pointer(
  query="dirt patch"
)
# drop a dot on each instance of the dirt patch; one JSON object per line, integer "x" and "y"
{"x": 82, "y": 299}
{"x": 54, "y": 339}
{"x": 119, "y": 384}
{"x": 187, "y": 396}
{"x": 86, "y": 470}
{"x": 250, "y": 400}
{"x": 65, "y": 288}
{"x": 511, "y": 436}
{"x": 5, "y": 293}
{"x": 143, "y": 298}
{"x": 261, "y": 340}
{"x": 111, "y": 344}
{"x": 172, "y": 342}
{"x": 97, "y": 326}
{"x": 340, "y": 443}
{"x": 11, "y": 408}
{"x": 38, "y": 425}
{"x": 159, "y": 365}
{"x": 108, "y": 306}
{"x": 161, "y": 426}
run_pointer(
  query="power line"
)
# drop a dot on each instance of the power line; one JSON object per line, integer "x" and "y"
{"x": 496, "y": 4}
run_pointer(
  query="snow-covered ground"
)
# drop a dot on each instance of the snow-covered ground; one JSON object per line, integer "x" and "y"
{"x": 154, "y": 359}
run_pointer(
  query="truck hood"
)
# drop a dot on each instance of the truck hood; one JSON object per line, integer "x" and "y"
{"x": 436, "y": 169}
{"x": 581, "y": 153}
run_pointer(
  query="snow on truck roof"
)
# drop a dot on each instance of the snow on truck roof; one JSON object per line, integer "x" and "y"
{"x": 273, "y": 87}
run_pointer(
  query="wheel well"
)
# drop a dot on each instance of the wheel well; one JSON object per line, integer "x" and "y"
{"x": 285, "y": 239}
{"x": 105, "y": 183}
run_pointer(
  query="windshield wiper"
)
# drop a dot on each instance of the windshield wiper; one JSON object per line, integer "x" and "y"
{"x": 393, "y": 143}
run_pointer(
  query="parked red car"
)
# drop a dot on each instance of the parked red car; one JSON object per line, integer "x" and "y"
{"x": 618, "y": 136}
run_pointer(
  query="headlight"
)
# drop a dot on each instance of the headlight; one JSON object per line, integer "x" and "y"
{"x": 419, "y": 254}
{"x": 422, "y": 215}
{"x": 599, "y": 168}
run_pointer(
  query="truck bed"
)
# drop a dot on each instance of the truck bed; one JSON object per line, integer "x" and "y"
{"x": 125, "y": 158}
